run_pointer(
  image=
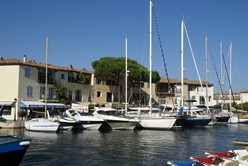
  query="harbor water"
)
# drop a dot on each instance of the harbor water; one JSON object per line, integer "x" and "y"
{"x": 138, "y": 147}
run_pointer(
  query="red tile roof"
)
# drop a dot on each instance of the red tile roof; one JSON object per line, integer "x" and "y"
{"x": 33, "y": 63}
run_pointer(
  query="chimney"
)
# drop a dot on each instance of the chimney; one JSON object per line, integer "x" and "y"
{"x": 25, "y": 58}
{"x": 70, "y": 66}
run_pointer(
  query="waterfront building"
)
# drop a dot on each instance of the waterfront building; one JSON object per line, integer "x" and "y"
{"x": 23, "y": 84}
{"x": 23, "y": 81}
{"x": 169, "y": 94}
{"x": 238, "y": 97}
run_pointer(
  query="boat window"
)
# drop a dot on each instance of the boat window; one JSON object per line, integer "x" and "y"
{"x": 85, "y": 114}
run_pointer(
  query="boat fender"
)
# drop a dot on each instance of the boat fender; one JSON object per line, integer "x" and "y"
{"x": 25, "y": 143}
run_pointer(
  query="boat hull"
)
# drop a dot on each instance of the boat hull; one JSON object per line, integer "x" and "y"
{"x": 40, "y": 124}
{"x": 243, "y": 121}
{"x": 158, "y": 123}
{"x": 89, "y": 125}
{"x": 12, "y": 149}
{"x": 122, "y": 125}
{"x": 182, "y": 163}
{"x": 197, "y": 122}
{"x": 233, "y": 120}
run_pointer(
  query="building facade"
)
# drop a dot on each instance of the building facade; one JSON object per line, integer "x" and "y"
{"x": 24, "y": 80}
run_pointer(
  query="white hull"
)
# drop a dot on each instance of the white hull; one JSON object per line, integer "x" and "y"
{"x": 158, "y": 123}
{"x": 41, "y": 124}
{"x": 86, "y": 121}
{"x": 92, "y": 126}
{"x": 122, "y": 125}
{"x": 233, "y": 119}
{"x": 115, "y": 122}
{"x": 243, "y": 120}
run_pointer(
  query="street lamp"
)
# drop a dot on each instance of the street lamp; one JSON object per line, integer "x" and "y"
{"x": 15, "y": 100}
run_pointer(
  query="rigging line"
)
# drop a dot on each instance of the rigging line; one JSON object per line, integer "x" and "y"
{"x": 228, "y": 78}
{"x": 193, "y": 56}
{"x": 163, "y": 56}
{"x": 218, "y": 78}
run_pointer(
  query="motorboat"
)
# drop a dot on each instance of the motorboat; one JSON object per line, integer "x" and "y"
{"x": 41, "y": 124}
{"x": 86, "y": 120}
{"x": 196, "y": 117}
{"x": 219, "y": 117}
{"x": 114, "y": 119}
{"x": 183, "y": 163}
{"x": 169, "y": 110}
{"x": 232, "y": 157}
{"x": 66, "y": 122}
{"x": 13, "y": 149}
{"x": 151, "y": 119}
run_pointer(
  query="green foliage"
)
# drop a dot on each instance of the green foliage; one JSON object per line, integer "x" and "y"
{"x": 242, "y": 106}
{"x": 61, "y": 93}
{"x": 22, "y": 114}
{"x": 111, "y": 68}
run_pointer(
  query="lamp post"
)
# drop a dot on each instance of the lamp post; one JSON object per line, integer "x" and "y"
{"x": 15, "y": 100}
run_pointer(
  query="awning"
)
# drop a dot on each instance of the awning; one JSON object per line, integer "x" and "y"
{"x": 31, "y": 104}
{"x": 6, "y": 103}
{"x": 56, "y": 105}
{"x": 38, "y": 104}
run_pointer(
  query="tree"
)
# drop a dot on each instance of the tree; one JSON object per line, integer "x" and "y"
{"x": 61, "y": 93}
{"x": 111, "y": 68}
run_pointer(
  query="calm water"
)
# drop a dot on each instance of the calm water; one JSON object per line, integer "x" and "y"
{"x": 143, "y": 147}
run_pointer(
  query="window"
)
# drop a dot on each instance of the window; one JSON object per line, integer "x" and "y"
{"x": 29, "y": 91}
{"x": 99, "y": 94}
{"x": 78, "y": 96}
{"x": 6, "y": 110}
{"x": 62, "y": 76}
{"x": 109, "y": 97}
{"x": 98, "y": 81}
{"x": 202, "y": 100}
{"x": 42, "y": 92}
{"x": 51, "y": 93}
{"x": 178, "y": 89}
{"x": 27, "y": 72}
{"x": 90, "y": 96}
{"x": 70, "y": 95}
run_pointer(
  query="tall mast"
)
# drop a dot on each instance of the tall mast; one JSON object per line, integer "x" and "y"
{"x": 126, "y": 76}
{"x": 46, "y": 77}
{"x": 182, "y": 63}
{"x": 150, "y": 53}
{"x": 206, "y": 65}
{"x": 230, "y": 91}
{"x": 221, "y": 76}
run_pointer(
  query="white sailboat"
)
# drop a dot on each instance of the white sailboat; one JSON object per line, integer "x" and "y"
{"x": 194, "y": 119}
{"x": 43, "y": 124}
{"x": 148, "y": 120}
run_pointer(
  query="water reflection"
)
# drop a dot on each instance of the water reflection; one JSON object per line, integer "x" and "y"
{"x": 143, "y": 147}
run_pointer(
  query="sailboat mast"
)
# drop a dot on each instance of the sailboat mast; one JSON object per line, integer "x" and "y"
{"x": 182, "y": 63}
{"x": 150, "y": 53}
{"x": 221, "y": 75}
{"x": 230, "y": 91}
{"x": 46, "y": 77}
{"x": 126, "y": 76}
{"x": 206, "y": 65}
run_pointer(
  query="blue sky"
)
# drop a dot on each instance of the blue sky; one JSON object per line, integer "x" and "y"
{"x": 83, "y": 31}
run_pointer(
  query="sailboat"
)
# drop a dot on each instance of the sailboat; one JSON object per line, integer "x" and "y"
{"x": 196, "y": 116}
{"x": 43, "y": 124}
{"x": 149, "y": 117}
